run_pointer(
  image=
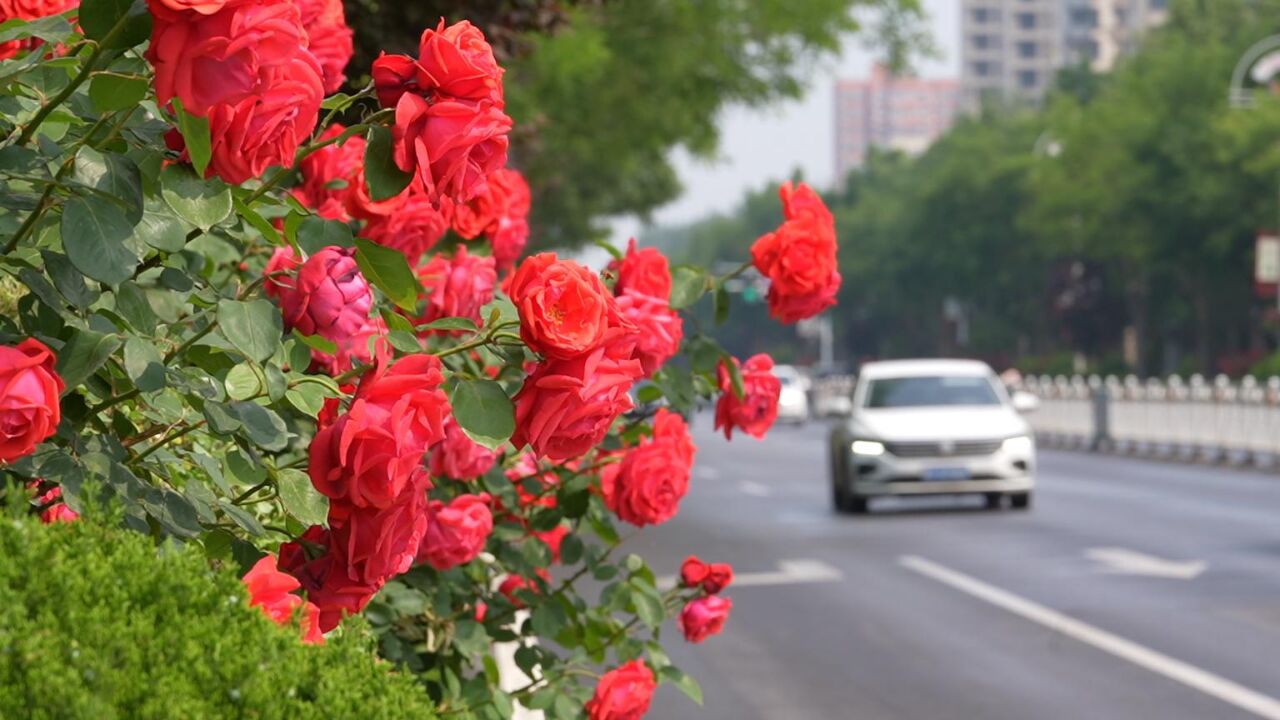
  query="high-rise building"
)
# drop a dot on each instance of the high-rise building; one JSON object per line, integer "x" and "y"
{"x": 902, "y": 113}
{"x": 1011, "y": 49}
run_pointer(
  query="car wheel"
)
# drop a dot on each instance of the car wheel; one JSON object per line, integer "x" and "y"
{"x": 839, "y": 498}
{"x": 1021, "y": 501}
{"x": 994, "y": 500}
{"x": 857, "y": 504}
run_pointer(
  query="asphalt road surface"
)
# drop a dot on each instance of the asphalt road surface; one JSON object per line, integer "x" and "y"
{"x": 1132, "y": 589}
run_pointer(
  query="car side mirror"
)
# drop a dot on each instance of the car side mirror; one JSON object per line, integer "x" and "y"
{"x": 1025, "y": 402}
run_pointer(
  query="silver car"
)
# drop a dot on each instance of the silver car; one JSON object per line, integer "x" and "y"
{"x": 932, "y": 427}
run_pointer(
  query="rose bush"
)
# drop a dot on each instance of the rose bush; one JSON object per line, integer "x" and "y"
{"x": 312, "y": 353}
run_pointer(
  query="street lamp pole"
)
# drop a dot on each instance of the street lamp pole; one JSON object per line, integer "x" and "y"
{"x": 1260, "y": 63}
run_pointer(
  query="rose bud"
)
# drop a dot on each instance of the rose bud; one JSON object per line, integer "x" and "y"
{"x": 331, "y": 298}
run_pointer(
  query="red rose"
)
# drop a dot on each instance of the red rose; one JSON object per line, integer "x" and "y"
{"x": 799, "y": 258}
{"x": 509, "y": 241}
{"x": 457, "y": 532}
{"x": 272, "y": 591}
{"x": 457, "y": 62}
{"x": 325, "y": 577}
{"x": 623, "y": 693}
{"x": 412, "y": 226}
{"x": 507, "y": 196}
{"x": 452, "y": 146}
{"x": 278, "y": 275}
{"x": 54, "y": 510}
{"x": 393, "y": 76}
{"x": 330, "y": 39}
{"x": 565, "y": 310}
{"x": 330, "y": 297}
{"x": 711, "y": 577}
{"x": 330, "y": 174}
{"x": 660, "y": 329}
{"x": 654, "y": 476}
{"x": 459, "y": 457}
{"x": 29, "y": 392}
{"x": 755, "y": 412}
{"x": 246, "y": 68}
{"x": 378, "y": 544}
{"x": 553, "y": 538}
{"x": 566, "y": 406}
{"x": 705, "y": 616}
{"x": 29, "y": 10}
{"x": 259, "y": 132}
{"x": 643, "y": 271}
{"x": 204, "y": 7}
{"x": 458, "y": 286}
{"x": 372, "y": 453}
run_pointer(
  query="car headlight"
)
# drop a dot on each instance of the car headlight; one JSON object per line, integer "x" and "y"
{"x": 870, "y": 448}
{"x": 1019, "y": 445}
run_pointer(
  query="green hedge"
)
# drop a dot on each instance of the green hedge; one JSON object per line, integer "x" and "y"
{"x": 97, "y": 623}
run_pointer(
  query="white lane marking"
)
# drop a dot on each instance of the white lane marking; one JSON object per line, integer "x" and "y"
{"x": 706, "y": 471}
{"x": 755, "y": 489}
{"x": 1130, "y": 562}
{"x": 1206, "y": 682}
{"x": 789, "y": 572}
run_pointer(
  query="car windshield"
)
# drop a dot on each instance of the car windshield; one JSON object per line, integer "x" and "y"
{"x": 930, "y": 391}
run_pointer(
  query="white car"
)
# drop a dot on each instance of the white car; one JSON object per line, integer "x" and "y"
{"x": 793, "y": 401}
{"x": 932, "y": 427}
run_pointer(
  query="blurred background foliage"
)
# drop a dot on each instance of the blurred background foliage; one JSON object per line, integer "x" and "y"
{"x": 1125, "y": 206}
{"x": 603, "y": 90}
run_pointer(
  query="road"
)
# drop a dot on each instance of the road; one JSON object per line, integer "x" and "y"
{"x": 945, "y": 610}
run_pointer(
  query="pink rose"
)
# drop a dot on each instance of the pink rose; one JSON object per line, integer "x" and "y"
{"x": 755, "y": 412}
{"x": 330, "y": 39}
{"x": 29, "y": 398}
{"x": 413, "y": 227}
{"x": 457, "y": 532}
{"x": 330, "y": 174}
{"x": 660, "y": 329}
{"x": 705, "y": 616}
{"x": 459, "y": 457}
{"x": 330, "y": 297}
{"x": 379, "y": 543}
{"x": 279, "y": 274}
{"x": 458, "y": 286}
{"x": 711, "y": 577}
{"x": 453, "y": 146}
{"x": 654, "y": 476}
{"x": 457, "y": 62}
{"x": 325, "y": 577}
{"x": 54, "y": 510}
{"x": 646, "y": 272}
{"x": 393, "y": 76}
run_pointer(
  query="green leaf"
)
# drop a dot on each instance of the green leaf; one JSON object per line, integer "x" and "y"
{"x": 144, "y": 364}
{"x": 263, "y": 427}
{"x": 83, "y": 354}
{"x": 684, "y": 682}
{"x": 243, "y": 382}
{"x": 115, "y": 175}
{"x": 648, "y": 606}
{"x": 242, "y": 517}
{"x": 385, "y": 179}
{"x": 116, "y": 23}
{"x": 253, "y": 327}
{"x": 301, "y": 499}
{"x": 500, "y": 310}
{"x": 203, "y": 203}
{"x": 53, "y": 28}
{"x": 315, "y": 233}
{"x": 735, "y": 375}
{"x": 389, "y": 271}
{"x": 195, "y": 135}
{"x": 721, "y": 299}
{"x": 113, "y": 91}
{"x": 450, "y": 323}
{"x": 221, "y": 418}
{"x": 94, "y": 232}
{"x": 259, "y": 223}
{"x": 160, "y": 228}
{"x": 68, "y": 280}
{"x": 483, "y": 411}
{"x": 308, "y": 398}
{"x": 688, "y": 284}
{"x": 133, "y": 306}
{"x": 317, "y": 343}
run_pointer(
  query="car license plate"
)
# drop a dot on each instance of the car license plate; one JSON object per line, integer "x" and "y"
{"x": 943, "y": 474}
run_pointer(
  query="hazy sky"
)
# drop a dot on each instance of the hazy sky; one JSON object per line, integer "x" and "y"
{"x": 763, "y": 145}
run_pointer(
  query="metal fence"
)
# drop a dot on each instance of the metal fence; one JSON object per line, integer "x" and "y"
{"x": 1196, "y": 419}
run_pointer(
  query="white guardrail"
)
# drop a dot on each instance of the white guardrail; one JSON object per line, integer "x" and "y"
{"x": 1196, "y": 419}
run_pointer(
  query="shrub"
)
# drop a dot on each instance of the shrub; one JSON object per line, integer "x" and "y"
{"x": 95, "y": 622}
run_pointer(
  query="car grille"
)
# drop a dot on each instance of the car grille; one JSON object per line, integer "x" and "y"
{"x": 968, "y": 448}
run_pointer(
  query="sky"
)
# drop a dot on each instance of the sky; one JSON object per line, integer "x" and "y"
{"x": 757, "y": 146}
